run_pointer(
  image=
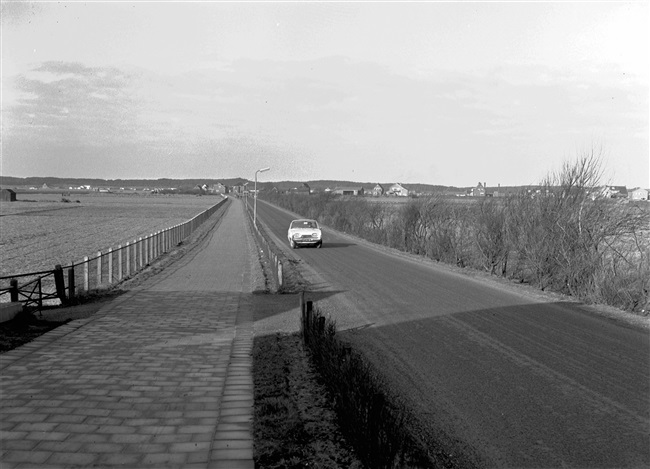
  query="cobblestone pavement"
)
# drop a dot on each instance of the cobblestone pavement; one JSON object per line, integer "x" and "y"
{"x": 160, "y": 377}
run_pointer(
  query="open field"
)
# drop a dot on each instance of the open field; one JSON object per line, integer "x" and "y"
{"x": 39, "y": 233}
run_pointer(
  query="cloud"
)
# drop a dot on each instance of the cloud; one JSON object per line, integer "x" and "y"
{"x": 70, "y": 103}
{"x": 320, "y": 118}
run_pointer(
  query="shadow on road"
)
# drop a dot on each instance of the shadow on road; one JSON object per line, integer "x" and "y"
{"x": 337, "y": 245}
{"x": 266, "y": 306}
{"x": 327, "y": 245}
{"x": 527, "y": 385}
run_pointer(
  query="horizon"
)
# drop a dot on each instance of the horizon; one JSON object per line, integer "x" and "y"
{"x": 436, "y": 93}
{"x": 450, "y": 186}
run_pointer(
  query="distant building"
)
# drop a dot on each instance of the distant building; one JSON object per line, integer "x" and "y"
{"x": 8, "y": 195}
{"x": 478, "y": 191}
{"x": 378, "y": 190}
{"x": 639, "y": 194}
{"x": 349, "y": 190}
{"x": 301, "y": 189}
{"x": 219, "y": 188}
{"x": 238, "y": 189}
{"x": 398, "y": 190}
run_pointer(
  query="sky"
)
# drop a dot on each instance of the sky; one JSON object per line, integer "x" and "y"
{"x": 448, "y": 93}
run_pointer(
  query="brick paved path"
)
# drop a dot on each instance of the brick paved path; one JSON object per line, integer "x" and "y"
{"x": 160, "y": 377}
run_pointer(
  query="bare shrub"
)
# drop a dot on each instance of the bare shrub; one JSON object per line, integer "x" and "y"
{"x": 573, "y": 240}
{"x": 491, "y": 235}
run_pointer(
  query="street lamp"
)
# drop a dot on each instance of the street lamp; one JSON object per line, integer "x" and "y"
{"x": 255, "y": 195}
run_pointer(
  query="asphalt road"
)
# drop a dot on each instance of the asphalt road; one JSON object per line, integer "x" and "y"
{"x": 500, "y": 376}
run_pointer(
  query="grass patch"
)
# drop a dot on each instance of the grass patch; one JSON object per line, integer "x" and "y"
{"x": 294, "y": 424}
{"x": 24, "y": 328}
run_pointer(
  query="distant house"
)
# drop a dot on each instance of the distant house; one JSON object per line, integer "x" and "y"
{"x": 478, "y": 191}
{"x": 615, "y": 192}
{"x": 301, "y": 189}
{"x": 219, "y": 188}
{"x": 8, "y": 195}
{"x": 349, "y": 190}
{"x": 378, "y": 190}
{"x": 639, "y": 194}
{"x": 238, "y": 189}
{"x": 398, "y": 190}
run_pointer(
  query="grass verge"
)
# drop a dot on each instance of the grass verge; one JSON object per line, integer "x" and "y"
{"x": 294, "y": 423}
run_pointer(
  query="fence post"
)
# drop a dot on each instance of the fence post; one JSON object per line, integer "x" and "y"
{"x": 99, "y": 268}
{"x": 86, "y": 273}
{"x": 110, "y": 265}
{"x": 71, "y": 286}
{"x": 119, "y": 262}
{"x": 146, "y": 250}
{"x": 308, "y": 321}
{"x": 303, "y": 315}
{"x": 13, "y": 287}
{"x": 59, "y": 282}
{"x": 40, "y": 294}
{"x": 128, "y": 259}
{"x": 139, "y": 266}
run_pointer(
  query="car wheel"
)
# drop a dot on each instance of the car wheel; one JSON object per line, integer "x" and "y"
{"x": 319, "y": 245}
{"x": 293, "y": 244}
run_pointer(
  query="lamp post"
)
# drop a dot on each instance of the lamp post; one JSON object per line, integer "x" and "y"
{"x": 255, "y": 195}
{"x": 245, "y": 194}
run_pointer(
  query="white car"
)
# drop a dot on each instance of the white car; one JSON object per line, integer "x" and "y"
{"x": 304, "y": 233}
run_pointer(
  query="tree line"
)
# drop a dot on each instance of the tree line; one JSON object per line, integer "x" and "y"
{"x": 565, "y": 238}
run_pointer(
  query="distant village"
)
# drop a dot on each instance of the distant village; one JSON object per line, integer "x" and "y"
{"x": 378, "y": 190}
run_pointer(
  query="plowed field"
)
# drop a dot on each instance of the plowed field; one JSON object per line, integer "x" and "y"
{"x": 44, "y": 231}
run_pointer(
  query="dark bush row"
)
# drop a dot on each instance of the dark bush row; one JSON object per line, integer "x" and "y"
{"x": 373, "y": 420}
{"x": 565, "y": 237}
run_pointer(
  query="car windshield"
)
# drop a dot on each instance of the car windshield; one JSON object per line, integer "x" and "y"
{"x": 303, "y": 224}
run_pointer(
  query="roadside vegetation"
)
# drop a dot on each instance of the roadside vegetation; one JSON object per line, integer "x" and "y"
{"x": 381, "y": 427}
{"x": 295, "y": 425}
{"x": 565, "y": 238}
